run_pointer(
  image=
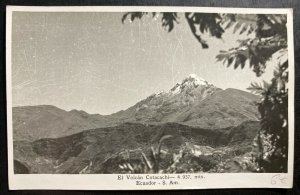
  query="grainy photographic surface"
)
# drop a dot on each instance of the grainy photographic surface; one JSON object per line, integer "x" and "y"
{"x": 153, "y": 91}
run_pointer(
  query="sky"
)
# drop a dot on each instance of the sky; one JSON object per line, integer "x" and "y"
{"x": 93, "y": 62}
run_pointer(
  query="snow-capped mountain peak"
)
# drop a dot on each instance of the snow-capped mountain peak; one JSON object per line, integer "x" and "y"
{"x": 192, "y": 81}
{"x": 196, "y": 80}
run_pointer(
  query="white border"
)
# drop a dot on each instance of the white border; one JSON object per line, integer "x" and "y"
{"x": 109, "y": 181}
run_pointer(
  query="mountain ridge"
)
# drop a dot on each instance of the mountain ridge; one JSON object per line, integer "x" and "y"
{"x": 193, "y": 101}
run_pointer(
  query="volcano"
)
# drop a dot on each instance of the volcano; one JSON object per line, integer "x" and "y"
{"x": 193, "y": 101}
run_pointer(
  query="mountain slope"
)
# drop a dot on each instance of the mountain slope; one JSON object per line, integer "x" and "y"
{"x": 224, "y": 108}
{"x": 195, "y": 102}
{"x": 35, "y": 122}
{"x": 103, "y": 150}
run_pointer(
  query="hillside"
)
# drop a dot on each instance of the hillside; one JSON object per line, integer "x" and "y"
{"x": 45, "y": 121}
{"x": 194, "y": 102}
{"x": 103, "y": 150}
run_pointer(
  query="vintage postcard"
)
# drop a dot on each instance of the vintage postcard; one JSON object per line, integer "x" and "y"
{"x": 147, "y": 98}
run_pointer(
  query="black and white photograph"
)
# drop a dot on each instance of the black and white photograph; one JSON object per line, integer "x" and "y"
{"x": 150, "y": 93}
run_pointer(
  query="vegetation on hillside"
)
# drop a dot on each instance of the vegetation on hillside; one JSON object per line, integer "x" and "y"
{"x": 141, "y": 148}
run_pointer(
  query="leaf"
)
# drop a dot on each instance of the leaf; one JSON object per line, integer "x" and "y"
{"x": 202, "y": 27}
{"x": 221, "y": 57}
{"x": 154, "y": 152}
{"x": 147, "y": 162}
{"x": 240, "y": 60}
{"x": 130, "y": 167}
{"x": 236, "y": 27}
{"x": 244, "y": 28}
{"x": 241, "y": 23}
{"x": 168, "y": 20}
{"x": 133, "y": 16}
{"x": 236, "y": 63}
{"x": 204, "y": 45}
{"x": 258, "y": 88}
{"x": 164, "y": 138}
{"x": 206, "y": 23}
{"x": 229, "y": 61}
{"x": 251, "y": 29}
{"x": 124, "y": 17}
{"x": 229, "y": 19}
